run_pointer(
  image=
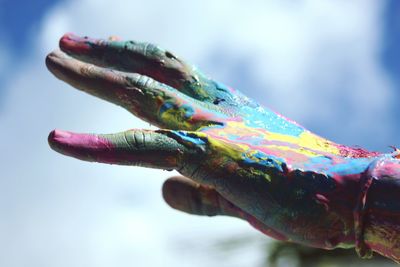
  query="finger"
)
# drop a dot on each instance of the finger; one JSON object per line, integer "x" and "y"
{"x": 146, "y": 98}
{"x": 185, "y": 195}
{"x": 153, "y": 149}
{"x": 146, "y": 59}
{"x": 188, "y": 196}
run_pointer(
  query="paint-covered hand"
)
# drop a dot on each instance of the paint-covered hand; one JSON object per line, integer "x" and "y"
{"x": 240, "y": 159}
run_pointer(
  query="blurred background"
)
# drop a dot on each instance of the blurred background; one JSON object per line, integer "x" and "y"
{"x": 330, "y": 65}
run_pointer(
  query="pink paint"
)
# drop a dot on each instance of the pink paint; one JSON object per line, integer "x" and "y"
{"x": 82, "y": 146}
{"x": 74, "y": 44}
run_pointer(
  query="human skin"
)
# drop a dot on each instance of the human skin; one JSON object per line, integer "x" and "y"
{"x": 237, "y": 157}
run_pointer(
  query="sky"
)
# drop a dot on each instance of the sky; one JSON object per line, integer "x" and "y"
{"x": 330, "y": 65}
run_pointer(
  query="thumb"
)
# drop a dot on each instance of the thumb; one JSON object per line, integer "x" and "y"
{"x": 185, "y": 195}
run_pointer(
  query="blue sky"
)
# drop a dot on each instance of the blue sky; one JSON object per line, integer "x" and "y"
{"x": 20, "y": 19}
{"x": 391, "y": 32}
{"x": 330, "y": 65}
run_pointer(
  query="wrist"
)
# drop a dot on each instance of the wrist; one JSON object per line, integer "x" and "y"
{"x": 381, "y": 228}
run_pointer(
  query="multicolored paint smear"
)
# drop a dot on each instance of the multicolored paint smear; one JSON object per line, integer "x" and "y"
{"x": 242, "y": 159}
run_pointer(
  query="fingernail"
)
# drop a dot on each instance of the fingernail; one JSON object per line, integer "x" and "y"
{"x": 58, "y": 134}
{"x": 72, "y": 43}
{"x": 54, "y": 59}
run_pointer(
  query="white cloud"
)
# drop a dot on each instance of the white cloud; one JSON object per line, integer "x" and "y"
{"x": 58, "y": 211}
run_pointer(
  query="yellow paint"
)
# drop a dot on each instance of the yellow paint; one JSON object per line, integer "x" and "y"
{"x": 309, "y": 142}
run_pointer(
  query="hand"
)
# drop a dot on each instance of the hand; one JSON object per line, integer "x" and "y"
{"x": 241, "y": 159}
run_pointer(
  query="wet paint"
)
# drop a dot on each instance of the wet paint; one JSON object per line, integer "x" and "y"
{"x": 287, "y": 182}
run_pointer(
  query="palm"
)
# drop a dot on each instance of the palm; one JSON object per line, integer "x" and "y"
{"x": 244, "y": 160}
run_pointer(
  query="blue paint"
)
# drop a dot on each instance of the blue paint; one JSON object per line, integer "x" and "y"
{"x": 189, "y": 137}
{"x": 322, "y": 164}
{"x": 189, "y": 111}
{"x": 351, "y": 166}
{"x": 166, "y": 106}
{"x": 263, "y": 162}
{"x": 262, "y": 118}
{"x": 318, "y": 164}
{"x": 233, "y": 137}
{"x": 323, "y": 160}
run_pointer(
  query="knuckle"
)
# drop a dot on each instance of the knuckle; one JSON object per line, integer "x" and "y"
{"x": 87, "y": 70}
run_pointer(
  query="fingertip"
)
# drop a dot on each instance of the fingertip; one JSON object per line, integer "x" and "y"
{"x": 49, "y": 62}
{"x": 50, "y": 138}
{"x": 87, "y": 147}
{"x": 58, "y": 138}
{"x": 71, "y": 43}
{"x": 54, "y": 60}
{"x": 179, "y": 193}
{"x": 184, "y": 194}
